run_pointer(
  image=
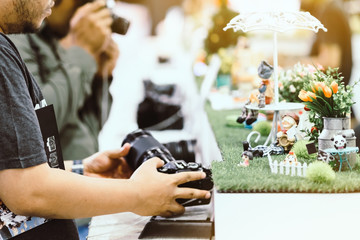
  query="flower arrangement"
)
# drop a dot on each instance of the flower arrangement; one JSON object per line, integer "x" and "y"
{"x": 325, "y": 96}
{"x": 291, "y": 81}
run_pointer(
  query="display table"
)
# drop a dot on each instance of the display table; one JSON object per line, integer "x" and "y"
{"x": 195, "y": 223}
{"x": 116, "y": 226}
{"x": 258, "y": 213}
{"x": 283, "y": 216}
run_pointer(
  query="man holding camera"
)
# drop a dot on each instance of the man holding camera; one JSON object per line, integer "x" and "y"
{"x": 29, "y": 187}
{"x": 72, "y": 58}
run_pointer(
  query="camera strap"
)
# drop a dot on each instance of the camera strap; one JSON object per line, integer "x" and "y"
{"x": 167, "y": 122}
{"x": 50, "y": 134}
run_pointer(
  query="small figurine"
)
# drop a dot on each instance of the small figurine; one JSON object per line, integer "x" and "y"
{"x": 249, "y": 116}
{"x": 265, "y": 71}
{"x": 291, "y": 158}
{"x": 264, "y": 94}
{"x": 339, "y": 141}
{"x": 246, "y": 157}
{"x": 286, "y": 137}
{"x": 262, "y": 89}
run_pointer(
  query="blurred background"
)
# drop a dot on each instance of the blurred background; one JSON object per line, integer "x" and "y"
{"x": 171, "y": 42}
{"x": 166, "y": 69}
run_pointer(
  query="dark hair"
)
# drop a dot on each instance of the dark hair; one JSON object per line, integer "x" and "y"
{"x": 80, "y": 2}
{"x": 248, "y": 154}
{"x": 57, "y": 2}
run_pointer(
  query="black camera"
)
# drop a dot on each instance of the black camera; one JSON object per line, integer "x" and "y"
{"x": 144, "y": 146}
{"x": 160, "y": 108}
{"x": 184, "y": 149}
{"x": 119, "y": 25}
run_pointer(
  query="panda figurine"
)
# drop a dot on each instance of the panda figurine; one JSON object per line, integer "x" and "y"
{"x": 339, "y": 141}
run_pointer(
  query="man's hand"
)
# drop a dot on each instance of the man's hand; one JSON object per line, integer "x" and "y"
{"x": 90, "y": 28}
{"x": 157, "y": 191}
{"x": 108, "y": 164}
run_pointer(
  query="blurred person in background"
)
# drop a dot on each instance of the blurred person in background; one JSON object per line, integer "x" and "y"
{"x": 331, "y": 48}
{"x": 158, "y": 11}
{"x": 71, "y": 57}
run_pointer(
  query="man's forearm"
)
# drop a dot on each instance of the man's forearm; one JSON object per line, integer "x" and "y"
{"x": 51, "y": 193}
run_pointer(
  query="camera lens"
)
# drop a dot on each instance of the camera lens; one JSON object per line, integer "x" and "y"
{"x": 119, "y": 25}
{"x": 182, "y": 150}
{"x": 143, "y": 147}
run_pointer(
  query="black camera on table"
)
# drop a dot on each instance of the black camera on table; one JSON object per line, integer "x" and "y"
{"x": 119, "y": 25}
{"x": 144, "y": 146}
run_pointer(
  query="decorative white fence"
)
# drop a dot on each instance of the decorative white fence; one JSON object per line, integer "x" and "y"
{"x": 292, "y": 169}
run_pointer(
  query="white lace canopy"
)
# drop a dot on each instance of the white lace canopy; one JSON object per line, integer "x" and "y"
{"x": 274, "y": 21}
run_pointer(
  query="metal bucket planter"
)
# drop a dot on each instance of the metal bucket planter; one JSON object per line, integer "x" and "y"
{"x": 333, "y": 126}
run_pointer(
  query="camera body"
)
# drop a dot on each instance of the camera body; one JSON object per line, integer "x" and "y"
{"x": 144, "y": 146}
{"x": 179, "y": 166}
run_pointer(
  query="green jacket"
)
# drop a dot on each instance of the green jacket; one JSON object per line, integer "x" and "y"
{"x": 66, "y": 78}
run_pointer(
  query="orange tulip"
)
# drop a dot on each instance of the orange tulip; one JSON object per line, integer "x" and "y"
{"x": 313, "y": 88}
{"x": 311, "y": 96}
{"x": 303, "y": 96}
{"x": 319, "y": 85}
{"x": 334, "y": 86}
{"x": 327, "y": 92}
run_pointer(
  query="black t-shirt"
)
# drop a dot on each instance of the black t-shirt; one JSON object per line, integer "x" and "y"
{"x": 335, "y": 20}
{"x": 22, "y": 143}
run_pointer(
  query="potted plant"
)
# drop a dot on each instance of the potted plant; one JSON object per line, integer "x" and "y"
{"x": 328, "y": 102}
